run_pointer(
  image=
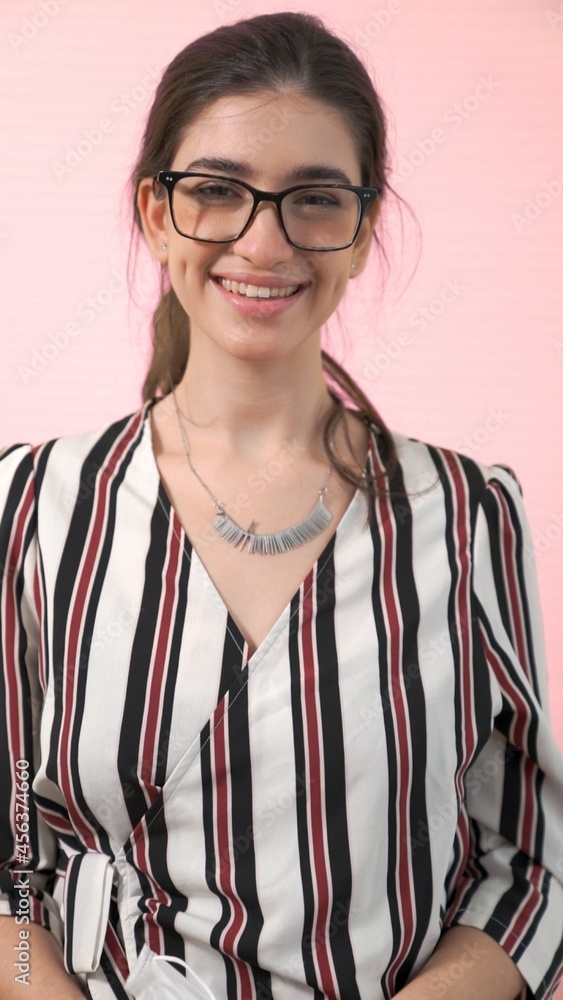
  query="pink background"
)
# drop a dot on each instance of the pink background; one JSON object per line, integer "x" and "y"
{"x": 474, "y": 94}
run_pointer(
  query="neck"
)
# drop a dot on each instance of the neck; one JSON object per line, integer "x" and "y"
{"x": 254, "y": 408}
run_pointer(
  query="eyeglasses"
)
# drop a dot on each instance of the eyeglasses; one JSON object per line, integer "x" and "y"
{"x": 219, "y": 210}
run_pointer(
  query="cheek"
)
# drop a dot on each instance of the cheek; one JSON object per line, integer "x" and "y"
{"x": 335, "y": 281}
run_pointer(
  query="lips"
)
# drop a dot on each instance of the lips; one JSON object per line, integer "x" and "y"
{"x": 258, "y": 291}
{"x": 262, "y": 288}
{"x": 260, "y": 303}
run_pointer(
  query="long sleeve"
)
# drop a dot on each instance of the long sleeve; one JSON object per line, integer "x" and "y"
{"x": 510, "y": 881}
{"x": 26, "y": 842}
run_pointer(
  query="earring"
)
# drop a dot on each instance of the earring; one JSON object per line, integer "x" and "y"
{"x": 163, "y": 246}
{"x": 353, "y": 266}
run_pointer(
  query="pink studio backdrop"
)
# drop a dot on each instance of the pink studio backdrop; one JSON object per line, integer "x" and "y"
{"x": 470, "y": 355}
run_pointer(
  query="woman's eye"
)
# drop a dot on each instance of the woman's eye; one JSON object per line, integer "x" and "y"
{"x": 218, "y": 191}
{"x": 318, "y": 200}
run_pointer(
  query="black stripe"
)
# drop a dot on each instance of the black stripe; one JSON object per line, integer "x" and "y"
{"x": 490, "y": 504}
{"x": 386, "y": 695}
{"x": 480, "y": 675}
{"x": 335, "y": 779}
{"x": 129, "y": 755}
{"x": 113, "y": 977}
{"x": 511, "y": 901}
{"x": 65, "y": 583}
{"x": 451, "y": 540}
{"x": 409, "y": 610}
{"x": 71, "y": 880}
{"x": 232, "y": 679}
{"x": 475, "y": 852}
{"x": 243, "y": 839}
{"x": 513, "y": 788}
{"x": 21, "y": 478}
{"x": 301, "y": 775}
{"x": 157, "y": 835}
{"x": 526, "y": 940}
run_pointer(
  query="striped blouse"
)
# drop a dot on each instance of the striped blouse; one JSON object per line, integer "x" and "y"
{"x": 295, "y": 822}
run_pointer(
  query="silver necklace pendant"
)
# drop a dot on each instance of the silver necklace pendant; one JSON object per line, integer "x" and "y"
{"x": 269, "y": 544}
{"x": 277, "y": 541}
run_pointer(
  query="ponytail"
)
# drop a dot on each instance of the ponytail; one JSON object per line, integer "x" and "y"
{"x": 171, "y": 346}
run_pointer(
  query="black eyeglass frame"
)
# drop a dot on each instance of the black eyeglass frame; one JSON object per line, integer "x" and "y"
{"x": 169, "y": 178}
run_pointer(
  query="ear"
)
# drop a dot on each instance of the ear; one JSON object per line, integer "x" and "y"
{"x": 364, "y": 239}
{"x": 155, "y": 217}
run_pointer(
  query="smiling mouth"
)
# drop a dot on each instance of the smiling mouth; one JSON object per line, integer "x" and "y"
{"x": 257, "y": 291}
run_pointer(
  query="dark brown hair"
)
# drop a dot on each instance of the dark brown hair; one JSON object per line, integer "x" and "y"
{"x": 269, "y": 53}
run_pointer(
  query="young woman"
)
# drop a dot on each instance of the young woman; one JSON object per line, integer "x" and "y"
{"x": 273, "y": 676}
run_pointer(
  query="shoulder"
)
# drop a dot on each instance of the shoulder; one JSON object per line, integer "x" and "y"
{"x": 54, "y": 463}
{"x": 424, "y": 467}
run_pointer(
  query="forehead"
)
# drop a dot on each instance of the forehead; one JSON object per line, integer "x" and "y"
{"x": 271, "y": 133}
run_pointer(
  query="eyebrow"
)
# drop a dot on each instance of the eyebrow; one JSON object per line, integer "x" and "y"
{"x": 306, "y": 172}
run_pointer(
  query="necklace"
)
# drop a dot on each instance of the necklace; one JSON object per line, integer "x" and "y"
{"x": 266, "y": 544}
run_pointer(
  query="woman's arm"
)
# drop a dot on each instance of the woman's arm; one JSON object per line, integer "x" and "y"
{"x": 26, "y": 843}
{"x": 505, "y": 875}
{"x": 466, "y": 964}
{"x": 46, "y": 978}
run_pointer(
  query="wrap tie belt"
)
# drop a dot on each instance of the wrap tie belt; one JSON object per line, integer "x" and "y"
{"x": 86, "y": 900}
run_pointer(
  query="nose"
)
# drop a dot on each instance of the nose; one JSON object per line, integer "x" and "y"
{"x": 264, "y": 242}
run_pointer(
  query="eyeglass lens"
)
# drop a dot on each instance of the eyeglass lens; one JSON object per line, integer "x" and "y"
{"x": 316, "y": 218}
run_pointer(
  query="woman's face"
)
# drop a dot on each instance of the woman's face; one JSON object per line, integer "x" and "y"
{"x": 269, "y": 137}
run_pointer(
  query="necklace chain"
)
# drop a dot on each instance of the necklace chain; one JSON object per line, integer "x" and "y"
{"x": 269, "y": 543}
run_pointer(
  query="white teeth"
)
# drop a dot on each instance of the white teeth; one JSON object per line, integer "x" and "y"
{"x": 257, "y": 291}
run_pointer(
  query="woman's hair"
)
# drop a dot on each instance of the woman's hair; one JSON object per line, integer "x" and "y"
{"x": 274, "y": 53}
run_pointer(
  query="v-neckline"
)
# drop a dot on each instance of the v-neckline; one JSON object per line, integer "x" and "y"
{"x": 316, "y": 568}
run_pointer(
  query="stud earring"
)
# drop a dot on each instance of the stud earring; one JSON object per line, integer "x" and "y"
{"x": 353, "y": 266}
{"x": 163, "y": 246}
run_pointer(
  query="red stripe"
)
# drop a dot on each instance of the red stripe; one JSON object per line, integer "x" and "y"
{"x": 159, "y": 897}
{"x": 463, "y": 613}
{"x": 38, "y": 599}
{"x": 466, "y": 873}
{"x": 522, "y": 714}
{"x": 530, "y": 905}
{"x": 509, "y": 544}
{"x": 76, "y": 615}
{"x": 159, "y": 665}
{"x": 112, "y": 946}
{"x": 60, "y": 824}
{"x": 316, "y": 785}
